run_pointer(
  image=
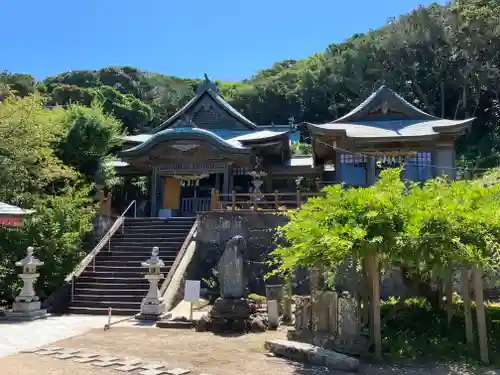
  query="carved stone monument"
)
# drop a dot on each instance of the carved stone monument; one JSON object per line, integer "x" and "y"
{"x": 231, "y": 312}
{"x": 27, "y": 305}
{"x": 152, "y": 306}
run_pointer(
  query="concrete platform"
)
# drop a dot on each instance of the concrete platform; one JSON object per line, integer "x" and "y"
{"x": 16, "y": 336}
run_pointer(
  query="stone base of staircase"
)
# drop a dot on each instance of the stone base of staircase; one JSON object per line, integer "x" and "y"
{"x": 176, "y": 324}
{"x": 153, "y": 317}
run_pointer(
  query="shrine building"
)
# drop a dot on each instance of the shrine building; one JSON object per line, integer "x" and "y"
{"x": 209, "y": 145}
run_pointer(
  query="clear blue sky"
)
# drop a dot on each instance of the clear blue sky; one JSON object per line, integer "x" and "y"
{"x": 229, "y": 40}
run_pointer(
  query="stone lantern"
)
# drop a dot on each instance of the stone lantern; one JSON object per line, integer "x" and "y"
{"x": 257, "y": 175}
{"x": 152, "y": 307}
{"x": 27, "y": 305}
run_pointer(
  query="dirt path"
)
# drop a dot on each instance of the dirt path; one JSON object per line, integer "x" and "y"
{"x": 198, "y": 352}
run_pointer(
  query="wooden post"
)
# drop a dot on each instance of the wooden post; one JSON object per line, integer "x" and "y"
{"x": 477, "y": 277}
{"x": 365, "y": 292}
{"x": 373, "y": 265}
{"x": 233, "y": 200}
{"x": 217, "y": 200}
{"x": 287, "y": 302}
{"x": 276, "y": 200}
{"x": 467, "y": 307}
{"x": 212, "y": 200}
{"x": 449, "y": 297}
{"x": 102, "y": 202}
{"x": 108, "y": 204}
{"x": 298, "y": 199}
{"x": 316, "y": 287}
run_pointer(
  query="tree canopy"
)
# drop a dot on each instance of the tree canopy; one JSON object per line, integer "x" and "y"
{"x": 443, "y": 59}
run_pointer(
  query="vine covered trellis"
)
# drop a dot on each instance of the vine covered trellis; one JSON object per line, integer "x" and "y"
{"x": 430, "y": 230}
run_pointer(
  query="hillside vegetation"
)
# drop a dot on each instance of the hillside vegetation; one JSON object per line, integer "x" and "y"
{"x": 444, "y": 59}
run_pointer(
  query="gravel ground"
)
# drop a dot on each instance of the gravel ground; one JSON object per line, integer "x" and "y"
{"x": 198, "y": 352}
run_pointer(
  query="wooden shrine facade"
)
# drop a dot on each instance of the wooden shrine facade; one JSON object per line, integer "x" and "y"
{"x": 208, "y": 146}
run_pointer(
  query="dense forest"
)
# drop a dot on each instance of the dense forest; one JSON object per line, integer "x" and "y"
{"x": 444, "y": 59}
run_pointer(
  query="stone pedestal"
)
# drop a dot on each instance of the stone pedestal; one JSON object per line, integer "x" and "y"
{"x": 230, "y": 315}
{"x": 152, "y": 306}
{"x": 27, "y": 305}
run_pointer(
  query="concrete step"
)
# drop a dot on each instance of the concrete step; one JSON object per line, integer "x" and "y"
{"x": 113, "y": 274}
{"x": 110, "y": 298}
{"x": 103, "y": 285}
{"x": 146, "y": 234}
{"x": 156, "y": 219}
{"x": 133, "y": 267}
{"x": 102, "y": 311}
{"x": 138, "y": 280}
{"x": 126, "y": 263}
{"x": 156, "y": 230}
{"x": 170, "y": 247}
{"x": 136, "y": 253}
{"x": 141, "y": 292}
{"x": 147, "y": 241}
{"x": 105, "y": 304}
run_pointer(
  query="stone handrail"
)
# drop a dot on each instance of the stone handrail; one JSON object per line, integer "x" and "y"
{"x": 179, "y": 257}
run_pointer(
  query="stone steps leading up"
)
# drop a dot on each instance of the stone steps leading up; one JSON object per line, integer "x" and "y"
{"x": 118, "y": 278}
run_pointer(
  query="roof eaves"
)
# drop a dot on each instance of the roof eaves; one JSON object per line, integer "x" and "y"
{"x": 456, "y": 127}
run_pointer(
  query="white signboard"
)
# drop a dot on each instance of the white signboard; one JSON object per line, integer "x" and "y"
{"x": 192, "y": 290}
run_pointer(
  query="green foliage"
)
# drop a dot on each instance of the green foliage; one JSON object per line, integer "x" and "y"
{"x": 34, "y": 177}
{"x": 28, "y": 163}
{"x": 301, "y": 149}
{"x": 91, "y": 136}
{"x": 415, "y": 331}
{"x": 20, "y": 84}
{"x": 437, "y": 226}
{"x": 327, "y": 229}
{"x": 443, "y": 59}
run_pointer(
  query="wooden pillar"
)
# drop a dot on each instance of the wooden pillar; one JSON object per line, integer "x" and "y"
{"x": 338, "y": 166}
{"x": 217, "y": 181}
{"x": 469, "y": 332}
{"x": 102, "y": 203}
{"x": 153, "y": 193}
{"x": 443, "y": 157}
{"x": 225, "y": 188}
{"x": 371, "y": 172}
{"x": 477, "y": 277}
{"x": 287, "y": 302}
{"x": 373, "y": 265}
{"x": 449, "y": 297}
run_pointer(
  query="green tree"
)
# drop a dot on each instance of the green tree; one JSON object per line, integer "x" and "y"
{"x": 34, "y": 177}
{"x": 91, "y": 136}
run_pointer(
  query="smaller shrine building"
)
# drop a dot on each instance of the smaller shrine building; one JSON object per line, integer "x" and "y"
{"x": 209, "y": 145}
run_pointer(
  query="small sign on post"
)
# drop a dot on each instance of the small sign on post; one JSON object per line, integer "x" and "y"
{"x": 192, "y": 294}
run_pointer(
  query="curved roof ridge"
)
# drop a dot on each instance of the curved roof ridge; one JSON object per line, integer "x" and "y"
{"x": 160, "y": 136}
{"x": 217, "y": 98}
{"x": 393, "y": 100}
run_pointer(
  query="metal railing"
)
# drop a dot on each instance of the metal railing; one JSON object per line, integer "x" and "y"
{"x": 119, "y": 222}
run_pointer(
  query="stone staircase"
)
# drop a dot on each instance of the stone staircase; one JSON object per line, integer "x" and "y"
{"x": 118, "y": 281}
